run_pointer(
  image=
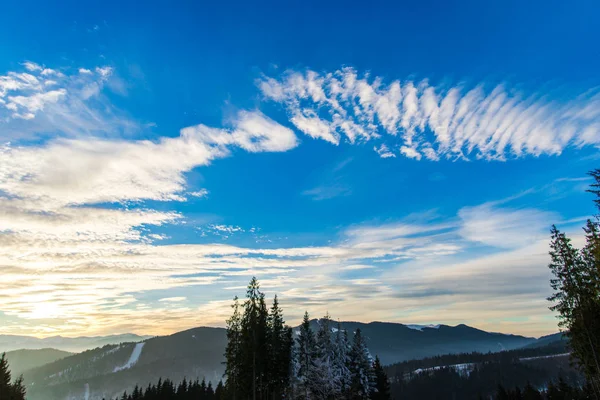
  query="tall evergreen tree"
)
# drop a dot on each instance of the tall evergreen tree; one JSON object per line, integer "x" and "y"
{"x": 5, "y": 386}
{"x": 530, "y": 393}
{"x": 342, "y": 360}
{"x": 326, "y": 382}
{"x": 576, "y": 297}
{"x": 279, "y": 352}
{"x": 306, "y": 358}
{"x": 254, "y": 334}
{"x": 233, "y": 351}
{"x": 363, "y": 379}
{"x": 382, "y": 384}
{"x": 8, "y": 390}
{"x": 220, "y": 391}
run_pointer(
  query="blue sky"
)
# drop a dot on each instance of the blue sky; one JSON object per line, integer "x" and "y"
{"x": 394, "y": 161}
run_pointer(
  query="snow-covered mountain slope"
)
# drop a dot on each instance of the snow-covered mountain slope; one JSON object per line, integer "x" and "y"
{"x": 133, "y": 358}
{"x": 105, "y": 372}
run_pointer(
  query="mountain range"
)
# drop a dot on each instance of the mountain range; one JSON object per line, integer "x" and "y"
{"x": 74, "y": 345}
{"x": 107, "y": 370}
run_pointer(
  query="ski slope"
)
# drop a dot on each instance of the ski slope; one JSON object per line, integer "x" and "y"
{"x": 133, "y": 358}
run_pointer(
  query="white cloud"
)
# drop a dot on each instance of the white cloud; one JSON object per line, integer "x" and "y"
{"x": 41, "y": 100}
{"x": 253, "y": 132}
{"x": 30, "y": 66}
{"x": 502, "y": 227}
{"x": 35, "y": 102}
{"x": 226, "y": 228}
{"x": 435, "y": 121}
{"x": 328, "y": 191}
{"x": 173, "y": 299}
{"x": 89, "y": 171}
{"x": 307, "y": 122}
{"x": 410, "y": 152}
{"x": 384, "y": 151}
{"x": 202, "y": 193}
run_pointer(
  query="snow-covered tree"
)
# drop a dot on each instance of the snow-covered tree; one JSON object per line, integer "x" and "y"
{"x": 382, "y": 384}
{"x": 341, "y": 360}
{"x": 305, "y": 359}
{"x": 326, "y": 381}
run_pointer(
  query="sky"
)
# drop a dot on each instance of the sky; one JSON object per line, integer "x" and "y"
{"x": 398, "y": 161}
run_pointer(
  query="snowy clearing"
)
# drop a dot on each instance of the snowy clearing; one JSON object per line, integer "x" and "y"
{"x": 133, "y": 358}
{"x": 540, "y": 357}
{"x": 465, "y": 368}
{"x": 420, "y": 327}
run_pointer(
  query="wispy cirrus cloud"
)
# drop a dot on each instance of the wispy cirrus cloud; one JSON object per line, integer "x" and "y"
{"x": 417, "y": 119}
{"x": 328, "y": 191}
{"x": 68, "y": 102}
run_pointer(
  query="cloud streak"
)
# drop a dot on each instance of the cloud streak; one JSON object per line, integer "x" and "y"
{"x": 417, "y": 119}
{"x": 65, "y": 102}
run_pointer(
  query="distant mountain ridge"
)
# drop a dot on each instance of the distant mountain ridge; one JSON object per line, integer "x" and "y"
{"x": 394, "y": 342}
{"x": 74, "y": 345}
{"x": 198, "y": 353}
{"x": 25, "y": 359}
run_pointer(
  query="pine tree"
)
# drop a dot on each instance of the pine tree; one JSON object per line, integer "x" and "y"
{"x": 382, "y": 384}
{"x": 576, "y": 297}
{"x": 259, "y": 352}
{"x": 530, "y": 393}
{"x": 5, "y": 386}
{"x": 306, "y": 358}
{"x": 233, "y": 351}
{"x": 501, "y": 393}
{"x": 220, "y": 391}
{"x": 10, "y": 391}
{"x": 325, "y": 382}
{"x": 341, "y": 361}
{"x": 253, "y": 371}
{"x": 136, "y": 395}
{"x": 361, "y": 367}
{"x": 279, "y": 351}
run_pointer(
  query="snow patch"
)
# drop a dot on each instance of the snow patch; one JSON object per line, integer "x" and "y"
{"x": 540, "y": 357}
{"x": 133, "y": 358}
{"x": 463, "y": 369}
{"x": 420, "y": 327}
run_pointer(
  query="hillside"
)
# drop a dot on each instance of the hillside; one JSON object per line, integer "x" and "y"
{"x": 109, "y": 370}
{"x": 23, "y": 360}
{"x": 198, "y": 353}
{"x": 476, "y": 375}
{"x": 394, "y": 342}
{"x": 555, "y": 339}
